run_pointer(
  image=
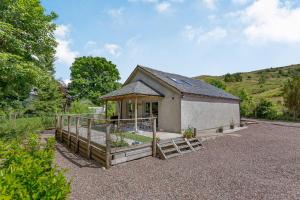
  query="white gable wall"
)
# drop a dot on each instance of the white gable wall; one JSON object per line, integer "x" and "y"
{"x": 208, "y": 113}
{"x": 168, "y": 107}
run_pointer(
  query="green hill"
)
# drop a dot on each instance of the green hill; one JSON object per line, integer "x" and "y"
{"x": 261, "y": 84}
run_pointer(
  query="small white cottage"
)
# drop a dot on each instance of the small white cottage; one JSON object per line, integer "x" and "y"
{"x": 177, "y": 101}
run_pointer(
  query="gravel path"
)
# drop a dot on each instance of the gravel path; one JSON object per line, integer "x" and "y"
{"x": 261, "y": 162}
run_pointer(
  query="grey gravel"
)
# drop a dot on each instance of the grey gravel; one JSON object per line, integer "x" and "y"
{"x": 261, "y": 162}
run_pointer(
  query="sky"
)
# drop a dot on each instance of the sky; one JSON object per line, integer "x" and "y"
{"x": 187, "y": 37}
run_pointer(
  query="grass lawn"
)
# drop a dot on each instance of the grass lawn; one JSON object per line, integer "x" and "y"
{"x": 136, "y": 137}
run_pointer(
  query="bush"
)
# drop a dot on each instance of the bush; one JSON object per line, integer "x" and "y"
{"x": 265, "y": 109}
{"x": 27, "y": 172}
{"x": 80, "y": 107}
{"x": 26, "y": 166}
{"x": 220, "y": 129}
{"x": 188, "y": 133}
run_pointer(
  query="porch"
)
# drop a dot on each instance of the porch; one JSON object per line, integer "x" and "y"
{"x": 134, "y": 101}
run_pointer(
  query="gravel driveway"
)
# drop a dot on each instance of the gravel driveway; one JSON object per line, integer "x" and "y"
{"x": 261, "y": 162}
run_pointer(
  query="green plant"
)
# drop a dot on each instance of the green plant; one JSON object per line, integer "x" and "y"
{"x": 188, "y": 133}
{"x": 231, "y": 124}
{"x": 28, "y": 172}
{"x": 220, "y": 129}
{"x": 265, "y": 109}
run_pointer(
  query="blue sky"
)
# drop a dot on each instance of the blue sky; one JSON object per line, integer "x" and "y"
{"x": 188, "y": 37}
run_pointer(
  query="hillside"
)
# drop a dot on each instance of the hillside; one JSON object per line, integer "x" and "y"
{"x": 266, "y": 83}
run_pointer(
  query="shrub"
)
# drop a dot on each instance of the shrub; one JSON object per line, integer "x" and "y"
{"x": 27, "y": 172}
{"x": 231, "y": 124}
{"x": 265, "y": 109}
{"x": 80, "y": 107}
{"x": 188, "y": 133}
{"x": 220, "y": 129}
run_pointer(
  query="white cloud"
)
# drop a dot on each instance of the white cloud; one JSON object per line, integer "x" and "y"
{"x": 113, "y": 49}
{"x": 64, "y": 53}
{"x": 271, "y": 20}
{"x": 210, "y": 4}
{"x": 115, "y": 13}
{"x": 163, "y": 7}
{"x": 198, "y": 35}
{"x": 191, "y": 32}
{"x": 214, "y": 34}
{"x": 67, "y": 81}
{"x": 239, "y": 2}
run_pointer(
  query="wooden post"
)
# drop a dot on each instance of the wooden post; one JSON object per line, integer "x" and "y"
{"x": 154, "y": 138}
{"x": 69, "y": 131}
{"x": 89, "y": 138}
{"x": 77, "y": 135}
{"x": 195, "y": 133}
{"x": 61, "y": 128}
{"x": 108, "y": 147}
{"x": 135, "y": 116}
{"x": 106, "y": 110}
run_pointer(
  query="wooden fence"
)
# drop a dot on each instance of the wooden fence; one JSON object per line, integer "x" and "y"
{"x": 101, "y": 153}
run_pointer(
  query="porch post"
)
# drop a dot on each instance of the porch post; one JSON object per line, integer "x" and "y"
{"x": 105, "y": 109}
{"x": 135, "y": 115}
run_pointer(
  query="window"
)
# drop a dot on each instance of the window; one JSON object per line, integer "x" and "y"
{"x": 176, "y": 80}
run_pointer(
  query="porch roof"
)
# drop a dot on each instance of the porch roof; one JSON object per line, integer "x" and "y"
{"x": 134, "y": 89}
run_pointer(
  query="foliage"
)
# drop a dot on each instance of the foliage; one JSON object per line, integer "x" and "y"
{"x": 27, "y": 171}
{"x": 262, "y": 79}
{"x": 220, "y": 129}
{"x": 231, "y": 124}
{"x": 265, "y": 109}
{"x": 233, "y": 77}
{"x": 120, "y": 142}
{"x": 135, "y": 137}
{"x": 217, "y": 83}
{"x": 18, "y": 78}
{"x": 247, "y": 104}
{"x": 26, "y": 31}
{"x": 92, "y": 77}
{"x": 188, "y": 133}
{"x": 26, "y": 166}
{"x": 291, "y": 95}
{"x": 80, "y": 106}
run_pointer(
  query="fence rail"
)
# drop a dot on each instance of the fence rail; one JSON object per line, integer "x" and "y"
{"x": 108, "y": 142}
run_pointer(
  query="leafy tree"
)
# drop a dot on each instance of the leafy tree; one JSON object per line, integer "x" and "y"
{"x": 26, "y": 31}
{"x": 265, "y": 109}
{"x": 217, "y": 83}
{"x": 291, "y": 95}
{"x": 80, "y": 106}
{"x": 237, "y": 77}
{"x": 19, "y": 77}
{"x": 246, "y": 104}
{"x": 92, "y": 77}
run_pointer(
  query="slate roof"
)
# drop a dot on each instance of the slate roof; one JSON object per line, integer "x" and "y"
{"x": 189, "y": 85}
{"x": 135, "y": 88}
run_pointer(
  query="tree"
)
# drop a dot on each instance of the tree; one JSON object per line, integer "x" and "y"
{"x": 246, "y": 104}
{"x": 26, "y": 31}
{"x": 291, "y": 95}
{"x": 18, "y": 78}
{"x": 92, "y": 77}
{"x": 265, "y": 109}
{"x": 217, "y": 83}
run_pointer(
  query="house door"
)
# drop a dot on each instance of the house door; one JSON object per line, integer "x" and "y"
{"x": 151, "y": 110}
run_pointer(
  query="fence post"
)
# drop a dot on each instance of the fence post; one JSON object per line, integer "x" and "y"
{"x": 61, "y": 128}
{"x": 69, "y": 131}
{"x": 195, "y": 133}
{"x": 154, "y": 138}
{"x": 77, "y": 135}
{"x": 89, "y": 138}
{"x": 108, "y": 147}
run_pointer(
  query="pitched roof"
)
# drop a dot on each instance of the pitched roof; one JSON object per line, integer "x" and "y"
{"x": 189, "y": 85}
{"x": 135, "y": 88}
